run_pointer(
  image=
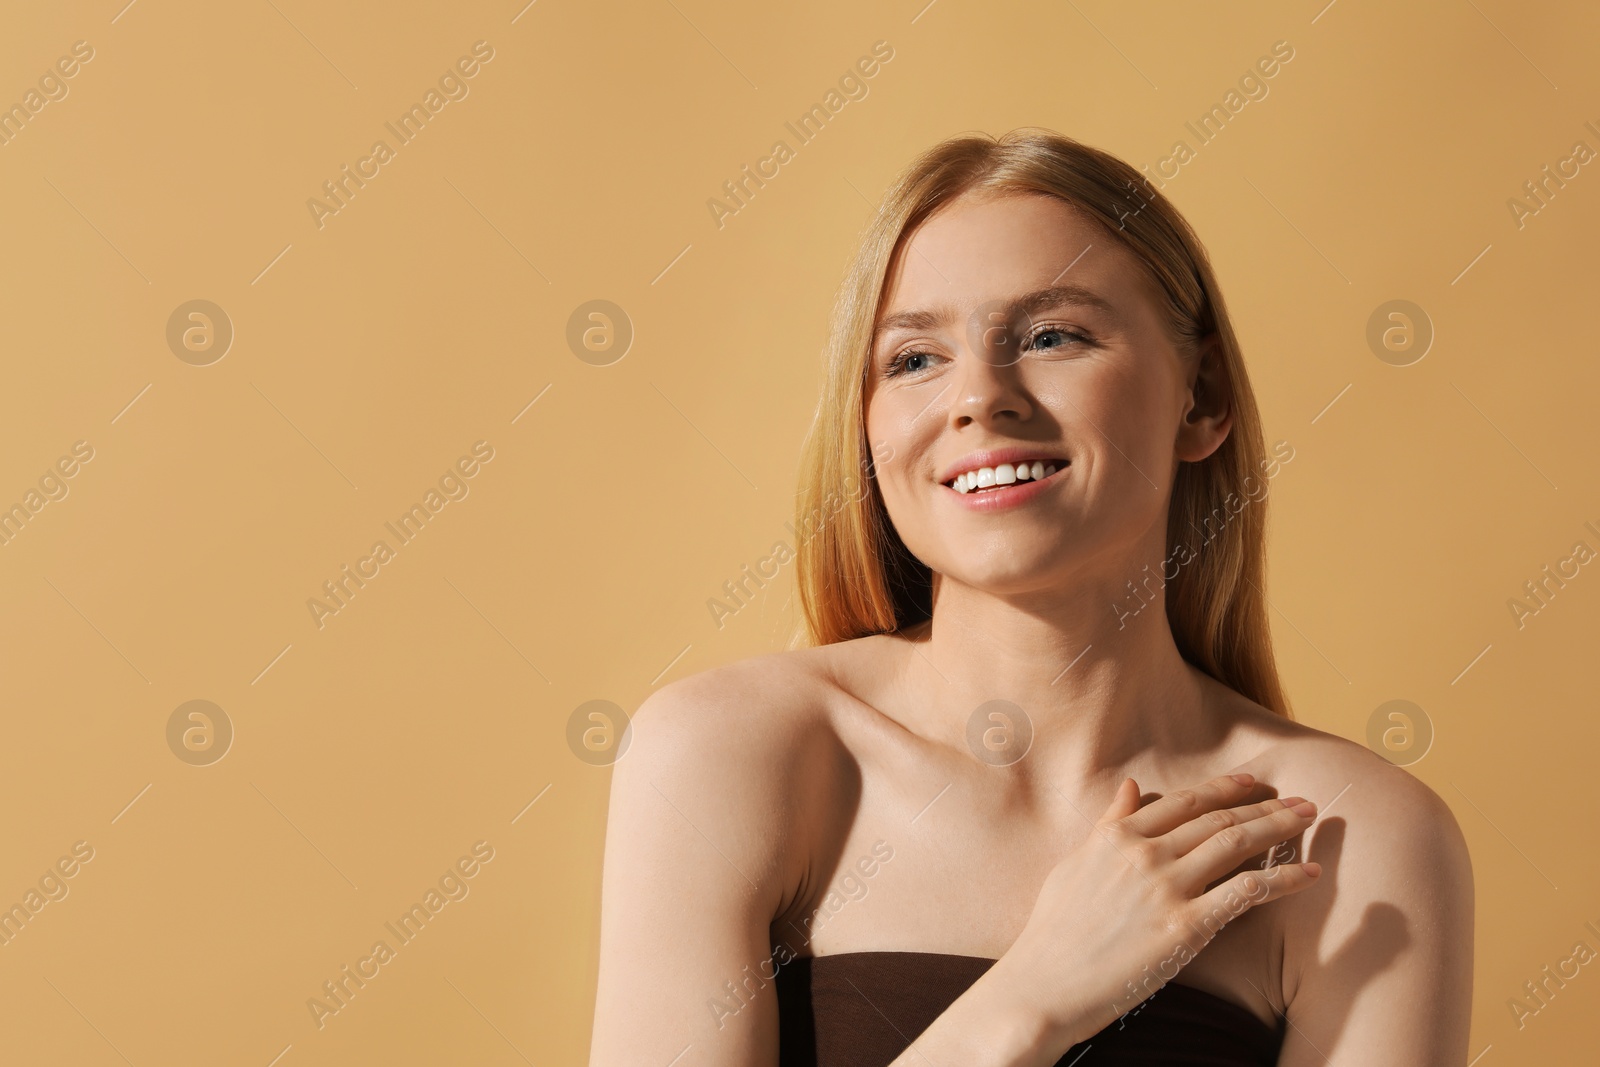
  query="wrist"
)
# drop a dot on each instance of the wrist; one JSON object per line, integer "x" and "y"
{"x": 1039, "y": 1028}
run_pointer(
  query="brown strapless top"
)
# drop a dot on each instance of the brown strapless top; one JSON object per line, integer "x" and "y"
{"x": 862, "y": 1009}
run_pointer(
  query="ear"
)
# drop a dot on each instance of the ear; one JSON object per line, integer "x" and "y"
{"x": 1208, "y": 407}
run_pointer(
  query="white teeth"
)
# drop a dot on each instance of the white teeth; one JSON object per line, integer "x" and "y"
{"x": 1004, "y": 474}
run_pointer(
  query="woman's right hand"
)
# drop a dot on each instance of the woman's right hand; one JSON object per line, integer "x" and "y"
{"x": 1117, "y": 918}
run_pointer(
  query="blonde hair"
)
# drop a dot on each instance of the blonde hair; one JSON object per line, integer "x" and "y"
{"x": 856, "y": 577}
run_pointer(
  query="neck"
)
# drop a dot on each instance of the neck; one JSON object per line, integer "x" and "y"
{"x": 1103, "y": 689}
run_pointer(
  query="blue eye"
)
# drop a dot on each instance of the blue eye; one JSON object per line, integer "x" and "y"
{"x": 1073, "y": 334}
{"x": 898, "y": 365}
{"x": 902, "y": 363}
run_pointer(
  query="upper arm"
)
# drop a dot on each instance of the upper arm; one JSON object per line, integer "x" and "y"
{"x": 1378, "y": 954}
{"x": 696, "y": 866}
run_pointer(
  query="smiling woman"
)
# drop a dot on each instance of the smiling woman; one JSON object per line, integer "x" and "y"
{"x": 1047, "y": 395}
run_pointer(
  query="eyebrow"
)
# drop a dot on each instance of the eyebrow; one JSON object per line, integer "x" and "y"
{"x": 1030, "y": 303}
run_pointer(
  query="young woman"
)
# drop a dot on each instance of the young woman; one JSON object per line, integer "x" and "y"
{"x": 1033, "y": 793}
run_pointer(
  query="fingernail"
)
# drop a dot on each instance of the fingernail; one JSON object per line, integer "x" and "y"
{"x": 1243, "y": 779}
{"x": 1290, "y": 802}
{"x": 1313, "y": 869}
{"x": 1305, "y": 807}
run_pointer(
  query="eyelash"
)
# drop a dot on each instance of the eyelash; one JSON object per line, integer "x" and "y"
{"x": 896, "y": 366}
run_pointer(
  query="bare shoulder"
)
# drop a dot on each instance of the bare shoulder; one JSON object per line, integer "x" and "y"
{"x": 1381, "y": 825}
{"x": 712, "y": 817}
{"x": 1388, "y": 832}
{"x": 1342, "y": 776}
{"x": 1388, "y": 926}
{"x": 745, "y": 753}
{"x": 749, "y": 717}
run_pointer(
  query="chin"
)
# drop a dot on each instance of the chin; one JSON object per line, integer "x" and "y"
{"x": 1013, "y": 576}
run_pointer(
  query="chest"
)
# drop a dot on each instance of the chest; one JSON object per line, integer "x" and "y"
{"x": 961, "y": 875}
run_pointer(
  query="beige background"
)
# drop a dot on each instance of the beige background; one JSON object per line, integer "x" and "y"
{"x": 431, "y": 311}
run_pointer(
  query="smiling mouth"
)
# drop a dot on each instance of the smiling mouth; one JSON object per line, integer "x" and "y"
{"x": 984, "y": 479}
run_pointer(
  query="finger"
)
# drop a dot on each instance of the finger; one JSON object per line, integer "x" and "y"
{"x": 1248, "y": 889}
{"x": 1124, "y": 802}
{"x": 1223, "y": 850}
{"x": 1184, "y": 839}
{"x": 1164, "y": 815}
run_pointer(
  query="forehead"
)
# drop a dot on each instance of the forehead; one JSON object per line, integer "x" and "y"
{"x": 984, "y": 247}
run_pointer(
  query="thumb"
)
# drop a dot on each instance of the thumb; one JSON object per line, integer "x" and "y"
{"x": 1125, "y": 801}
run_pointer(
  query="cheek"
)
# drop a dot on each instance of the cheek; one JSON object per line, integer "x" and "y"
{"x": 901, "y": 501}
{"x": 899, "y": 441}
{"x": 1121, "y": 430}
{"x": 1113, "y": 408}
{"x": 886, "y": 419}
{"x": 874, "y": 423}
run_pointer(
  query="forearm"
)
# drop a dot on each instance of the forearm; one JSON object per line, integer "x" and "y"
{"x": 996, "y": 1024}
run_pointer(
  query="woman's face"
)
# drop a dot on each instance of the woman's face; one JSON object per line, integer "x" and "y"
{"x": 1017, "y": 324}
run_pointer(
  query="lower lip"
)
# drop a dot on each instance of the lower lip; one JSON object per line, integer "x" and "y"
{"x": 1008, "y": 497}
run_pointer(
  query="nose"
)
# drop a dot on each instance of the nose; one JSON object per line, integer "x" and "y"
{"x": 990, "y": 392}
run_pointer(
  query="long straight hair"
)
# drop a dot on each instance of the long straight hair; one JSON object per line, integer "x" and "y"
{"x": 856, "y": 577}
